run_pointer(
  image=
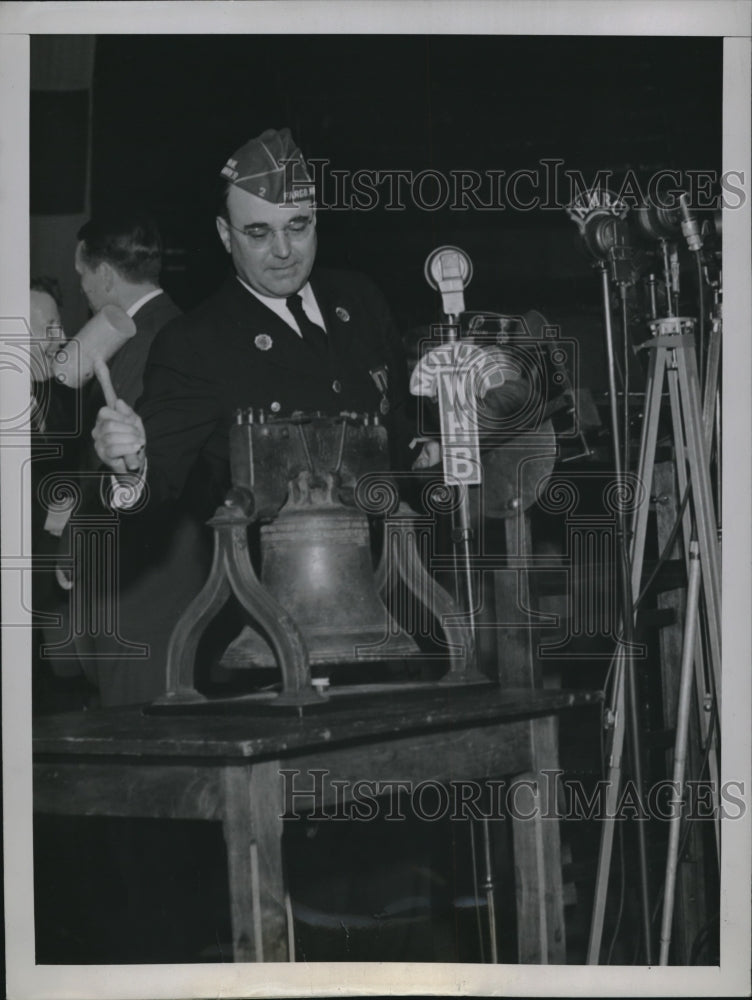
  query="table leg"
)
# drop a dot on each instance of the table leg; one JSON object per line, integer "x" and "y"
{"x": 537, "y": 862}
{"x": 253, "y": 834}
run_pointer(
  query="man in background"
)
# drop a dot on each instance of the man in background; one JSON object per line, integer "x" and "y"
{"x": 119, "y": 259}
{"x": 159, "y": 567}
{"x": 46, "y": 325}
{"x": 56, "y": 679}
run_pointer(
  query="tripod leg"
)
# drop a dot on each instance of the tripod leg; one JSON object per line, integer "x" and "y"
{"x": 680, "y": 451}
{"x": 712, "y": 416}
{"x": 711, "y": 411}
{"x": 705, "y": 702}
{"x": 691, "y": 900}
{"x": 690, "y": 432}
{"x": 646, "y": 463}
{"x": 613, "y": 783}
{"x": 683, "y": 405}
{"x": 704, "y": 514}
{"x": 680, "y": 460}
{"x": 711, "y": 385}
{"x": 680, "y": 749}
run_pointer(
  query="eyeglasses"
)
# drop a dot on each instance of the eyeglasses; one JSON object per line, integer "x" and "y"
{"x": 261, "y": 235}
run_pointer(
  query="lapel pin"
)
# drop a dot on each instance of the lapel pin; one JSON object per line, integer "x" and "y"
{"x": 263, "y": 341}
{"x": 342, "y": 314}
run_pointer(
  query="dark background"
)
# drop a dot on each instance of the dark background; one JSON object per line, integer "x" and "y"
{"x": 167, "y": 111}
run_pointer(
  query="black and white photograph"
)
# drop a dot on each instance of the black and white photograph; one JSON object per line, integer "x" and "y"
{"x": 375, "y": 455}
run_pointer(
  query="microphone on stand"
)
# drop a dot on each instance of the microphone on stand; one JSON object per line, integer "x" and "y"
{"x": 659, "y": 223}
{"x": 448, "y": 270}
{"x": 600, "y": 217}
{"x": 619, "y": 252}
{"x": 690, "y": 227}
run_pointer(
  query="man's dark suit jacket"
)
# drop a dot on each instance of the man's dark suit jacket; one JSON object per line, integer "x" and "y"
{"x": 233, "y": 352}
{"x": 161, "y": 564}
{"x": 127, "y": 366}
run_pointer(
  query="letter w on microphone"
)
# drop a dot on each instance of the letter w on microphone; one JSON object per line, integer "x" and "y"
{"x": 457, "y": 374}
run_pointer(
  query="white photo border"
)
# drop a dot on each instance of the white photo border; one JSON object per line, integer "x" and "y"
{"x": 589, "y": 17}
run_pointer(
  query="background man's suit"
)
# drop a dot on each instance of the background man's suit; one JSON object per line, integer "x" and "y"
{"x": 161, "y": 565}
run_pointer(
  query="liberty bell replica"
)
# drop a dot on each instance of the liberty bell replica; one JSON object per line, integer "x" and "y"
{"x": 316, "y": 553}
{"x": 311, "y": 482}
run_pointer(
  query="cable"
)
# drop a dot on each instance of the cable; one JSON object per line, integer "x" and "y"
{"x": 622, "y": 891}
{"x": 656, "y": 908}
{"x": 625, "y": 347}
{"x": 475, "y": 891}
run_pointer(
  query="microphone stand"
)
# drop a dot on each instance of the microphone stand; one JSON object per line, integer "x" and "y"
{"x": 710, "y": 408}
{"x": 462, "y": 534}
{"x": 448, "y": 270}
{"x": 625, "y": 701}
{"x": 462, "y": 531}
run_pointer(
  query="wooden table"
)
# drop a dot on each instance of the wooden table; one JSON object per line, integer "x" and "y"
{"x": 122, "y": 762}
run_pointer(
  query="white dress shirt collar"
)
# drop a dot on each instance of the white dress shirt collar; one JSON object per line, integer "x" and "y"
{"x": 279, "y": 306}
{"x": 132, "y": 310}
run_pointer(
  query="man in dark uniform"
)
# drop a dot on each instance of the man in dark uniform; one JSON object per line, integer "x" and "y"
{"x": 280, "y": 335}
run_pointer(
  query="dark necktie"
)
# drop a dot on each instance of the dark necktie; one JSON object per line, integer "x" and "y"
{"x": 311, "y": 333}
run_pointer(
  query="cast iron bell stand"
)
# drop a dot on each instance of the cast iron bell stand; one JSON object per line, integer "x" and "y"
{"x": 232, "y": 573}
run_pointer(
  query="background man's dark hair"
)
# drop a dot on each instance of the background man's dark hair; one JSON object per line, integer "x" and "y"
{"x": 128, "y": 241}
{"x": 43, "y": 283}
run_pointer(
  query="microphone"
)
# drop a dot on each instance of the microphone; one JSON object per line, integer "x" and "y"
{"x": 619, "y": 252}
{"x": 448, "y": 270}
{"x": 658, "y": 223}
{"x": 600, "y": 219}
{"x": 689, "y": 225}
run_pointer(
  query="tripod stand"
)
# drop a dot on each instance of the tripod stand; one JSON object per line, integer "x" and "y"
{"x": 672, "y": 358}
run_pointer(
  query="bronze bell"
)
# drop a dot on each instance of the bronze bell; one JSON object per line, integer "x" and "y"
{"x": 307, "y": 480}
{"x": 316, "y": 562}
